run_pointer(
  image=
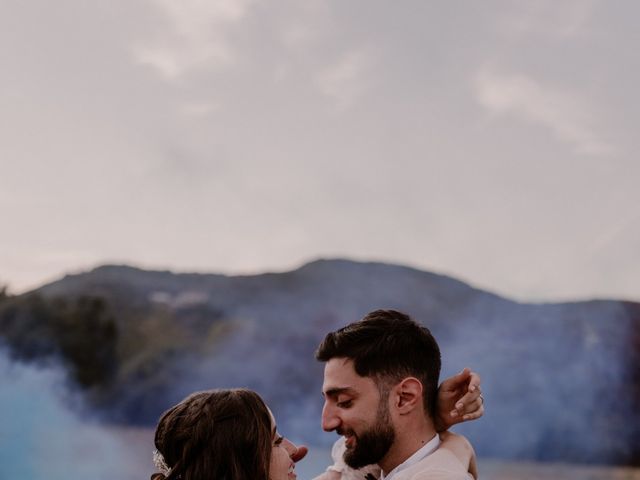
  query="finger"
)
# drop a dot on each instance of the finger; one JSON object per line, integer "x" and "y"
{"x": 474, "y": 415}
{"x": 474, "y": 410}
{"x": 469, "y": 399}
{"x": 456, "y": 381}
{"x": 474, "y": 381}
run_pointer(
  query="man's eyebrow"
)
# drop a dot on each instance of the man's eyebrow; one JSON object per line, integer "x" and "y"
{"x": 335, "y": 391}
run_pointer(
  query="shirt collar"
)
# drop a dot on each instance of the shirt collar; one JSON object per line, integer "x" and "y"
{"x": 427, "y": 449}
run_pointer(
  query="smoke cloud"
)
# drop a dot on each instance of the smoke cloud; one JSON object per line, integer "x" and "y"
{"x": 41, "y": 438}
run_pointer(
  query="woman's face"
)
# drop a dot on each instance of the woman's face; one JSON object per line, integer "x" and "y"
{"x": 281, "y": 467}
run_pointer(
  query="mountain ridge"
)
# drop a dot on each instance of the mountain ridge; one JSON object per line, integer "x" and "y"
{"x": 135, "y": 341}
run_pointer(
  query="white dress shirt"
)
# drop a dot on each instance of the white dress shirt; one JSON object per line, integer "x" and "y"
{"x": 426, "y": 450}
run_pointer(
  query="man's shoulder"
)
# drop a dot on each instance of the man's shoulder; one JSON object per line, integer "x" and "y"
{"x": 440, "y": 465}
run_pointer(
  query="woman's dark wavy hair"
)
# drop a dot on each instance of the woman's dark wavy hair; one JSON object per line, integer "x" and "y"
{"x": 216, "y": 435}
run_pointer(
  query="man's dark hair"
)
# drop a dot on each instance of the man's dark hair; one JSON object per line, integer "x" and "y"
{"x": 388, "y": 346}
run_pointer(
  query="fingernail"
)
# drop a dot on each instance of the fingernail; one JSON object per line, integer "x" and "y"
{"x": 454, "y": 413}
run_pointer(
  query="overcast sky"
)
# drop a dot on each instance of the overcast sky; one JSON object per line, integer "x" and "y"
{"x": 494, "y": 141}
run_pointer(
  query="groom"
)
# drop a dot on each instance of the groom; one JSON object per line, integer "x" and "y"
{"x": 381, "y": 394}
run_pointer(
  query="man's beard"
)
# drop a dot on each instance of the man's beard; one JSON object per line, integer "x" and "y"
{"x": 373, "y": 444}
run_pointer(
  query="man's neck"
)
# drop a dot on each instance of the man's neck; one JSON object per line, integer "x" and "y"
{"x": 406, "y": 445}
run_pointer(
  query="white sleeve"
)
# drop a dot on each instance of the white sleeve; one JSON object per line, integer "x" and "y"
{"x": 348, "y": 473}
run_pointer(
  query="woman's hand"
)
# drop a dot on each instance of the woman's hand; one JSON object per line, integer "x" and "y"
{"x": 459, "y": 400}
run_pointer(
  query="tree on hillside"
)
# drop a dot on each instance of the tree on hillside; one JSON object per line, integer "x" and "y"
{"x": 82, "y": 332}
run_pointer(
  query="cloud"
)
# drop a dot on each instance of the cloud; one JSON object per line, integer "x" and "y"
{"x": 197, "y": 109}
{"x": 549, "y": 18}
{"x": 564, "y": 113}
{"x": 298, "y": 35}
{"x": 614, "y": 232}
{"x": 197, "y": 36}
{"x": 344, "y": 81}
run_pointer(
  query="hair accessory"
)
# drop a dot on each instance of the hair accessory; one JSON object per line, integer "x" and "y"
{"x": 159, "y": 462}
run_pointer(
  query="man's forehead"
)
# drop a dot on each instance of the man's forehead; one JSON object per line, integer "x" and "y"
{"x": 340, "y": 375}
{"x": 339, "y": 367}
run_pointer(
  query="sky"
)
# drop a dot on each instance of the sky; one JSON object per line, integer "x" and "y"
{"x": 491, "y": 141}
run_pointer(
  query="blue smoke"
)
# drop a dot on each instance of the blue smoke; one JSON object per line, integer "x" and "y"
{"x": 42, "y": 439}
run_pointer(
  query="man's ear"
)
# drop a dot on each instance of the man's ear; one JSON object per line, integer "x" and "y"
{"x": 407, "y": 395}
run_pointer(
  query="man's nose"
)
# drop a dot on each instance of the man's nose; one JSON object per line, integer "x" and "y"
{"x": 330, "y": 419}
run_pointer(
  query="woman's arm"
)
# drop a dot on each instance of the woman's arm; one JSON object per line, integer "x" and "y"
{"x": 462, "y": 449}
